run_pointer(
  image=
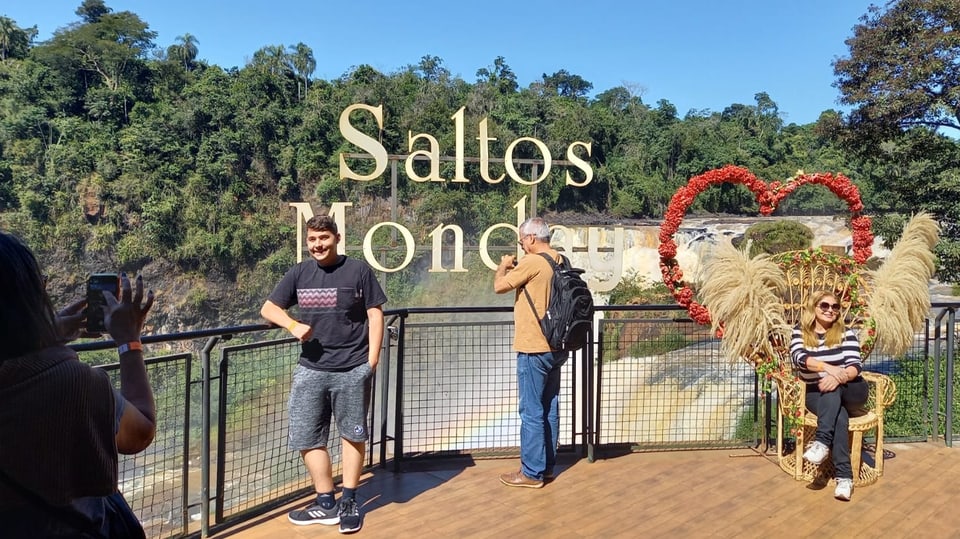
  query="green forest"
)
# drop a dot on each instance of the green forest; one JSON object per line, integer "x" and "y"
{"x": 120, "y": 152}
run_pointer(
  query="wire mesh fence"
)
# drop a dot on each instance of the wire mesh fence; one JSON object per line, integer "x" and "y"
{"x": 460, "y": 393}
{"x": 254, "y": 465}
{"x": 156, "y": 481}
{"x": 650, "y": 380}
{"x": 663, "y": 384}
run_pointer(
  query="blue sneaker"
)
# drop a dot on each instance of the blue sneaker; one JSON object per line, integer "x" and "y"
{"x": 350, "y": 520}
{"x": 314, "y": 514}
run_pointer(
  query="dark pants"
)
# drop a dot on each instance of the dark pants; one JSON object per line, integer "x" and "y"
{"x": 834, "y": 410}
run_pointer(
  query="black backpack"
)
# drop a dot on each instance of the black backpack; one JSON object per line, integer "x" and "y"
{"x": 569, "y": 316}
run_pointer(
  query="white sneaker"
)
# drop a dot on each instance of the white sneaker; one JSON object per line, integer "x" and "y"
{"x": 816, "y": 453}
{"x": 844, "y": 489}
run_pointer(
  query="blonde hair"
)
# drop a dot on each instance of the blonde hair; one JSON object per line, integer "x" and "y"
{"x": 808, "y": 321}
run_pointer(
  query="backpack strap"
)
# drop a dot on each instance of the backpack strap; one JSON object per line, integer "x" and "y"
{"x": 553, "y": 263}
{"x": 556, "y": 268}
{"x": 530, "y": 301}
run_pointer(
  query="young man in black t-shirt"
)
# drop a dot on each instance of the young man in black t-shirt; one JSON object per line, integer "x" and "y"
{"x": 340, "y": 327}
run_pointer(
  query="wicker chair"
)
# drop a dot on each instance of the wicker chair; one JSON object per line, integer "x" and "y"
{"x": 805, "y": 272}
{"x": 753, "y": 303}
{"x": 790, "y": 396}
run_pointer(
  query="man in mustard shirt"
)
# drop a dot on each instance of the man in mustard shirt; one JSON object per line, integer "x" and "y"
{"x": 538, "y": 367}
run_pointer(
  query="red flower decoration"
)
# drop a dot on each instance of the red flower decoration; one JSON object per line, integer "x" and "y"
{"x": 768, "y": 196}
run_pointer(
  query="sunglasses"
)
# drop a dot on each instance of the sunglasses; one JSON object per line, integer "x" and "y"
{"x": 824, "y": 306}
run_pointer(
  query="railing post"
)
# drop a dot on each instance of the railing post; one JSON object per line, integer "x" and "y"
{"x": 398, "y": 409}
{"x": 185, "y": 466}
{"x": 924, "y": 402}
{"x": 951, "y": 332}
{"x": 592, "y": 406}
{"x": 205, "y": 437}
{"x": 757, "y": 413}
{"x": 767, "y": 420}
{"x": 935, "y": 405}
{"x": 383, "y": 374}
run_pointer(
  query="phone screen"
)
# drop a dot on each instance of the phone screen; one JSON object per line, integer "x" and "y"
{"x": 96, "y": 285}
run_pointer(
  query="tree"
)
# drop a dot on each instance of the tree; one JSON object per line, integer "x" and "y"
{"x": 8, "y": 32}
{"x": 186, "y": 49}
{"x": 499, "y": 76}
{"x": 109, "y": 46}
{"x": 566, "y": 84}
{"x": 774, "y": 237}
{"x": 903, "y": 77}
{"x": 616, "y": 98}
{"x": 272, "y": 58}
{"x": 14, "y": 41}
{"x": 304, "y": 64}
{"x": 919, "y": 171}
{"x": 92, "y": 10}
{"x": 904, "y": 67}
{"x": 432, "y": 70}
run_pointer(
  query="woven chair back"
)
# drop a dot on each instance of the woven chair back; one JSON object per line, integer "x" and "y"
{"x": 812, "y": 270}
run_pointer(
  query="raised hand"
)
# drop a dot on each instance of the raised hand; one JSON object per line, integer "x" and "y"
{"x": 125, "y": 317}
{"x": 70, "y": 320}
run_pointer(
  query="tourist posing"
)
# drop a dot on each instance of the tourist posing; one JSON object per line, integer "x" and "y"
{"x": 340, "y": 328}
{"x": 827, "y": 356}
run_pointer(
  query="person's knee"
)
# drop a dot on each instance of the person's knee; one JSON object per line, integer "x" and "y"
{"x": 857, "y": 411}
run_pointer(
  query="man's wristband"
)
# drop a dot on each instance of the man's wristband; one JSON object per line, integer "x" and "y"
{"x": 292, "y": 325}
{"x": 133, "y": 345}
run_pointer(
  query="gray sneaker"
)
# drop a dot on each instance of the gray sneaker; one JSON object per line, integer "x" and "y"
{"x": 844, "y": 489}
{"x": 350, "y": 520}
{"x": 816, "y": 453}
{"x": 314, "y": 514}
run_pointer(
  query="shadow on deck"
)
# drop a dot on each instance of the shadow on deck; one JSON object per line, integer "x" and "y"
{"x": 715, "y": 493}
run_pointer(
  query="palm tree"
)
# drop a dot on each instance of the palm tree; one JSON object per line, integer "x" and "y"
{"x": 272, "y": 58}
{"x": 187, "y": 49}
{"x": 304, "y": 64}
{"x": 8, "y": 34}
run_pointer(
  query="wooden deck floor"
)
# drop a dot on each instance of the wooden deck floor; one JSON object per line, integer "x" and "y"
{"x": 717, "y": 493}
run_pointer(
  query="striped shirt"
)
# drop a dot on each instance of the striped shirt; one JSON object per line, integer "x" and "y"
{"x": 846, "y": 355}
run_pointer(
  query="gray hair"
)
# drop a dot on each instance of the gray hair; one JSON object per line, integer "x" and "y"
{"x": 536, "y": 226}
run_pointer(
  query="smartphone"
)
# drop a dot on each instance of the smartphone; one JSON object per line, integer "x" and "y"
{"x": 96, "y": 285}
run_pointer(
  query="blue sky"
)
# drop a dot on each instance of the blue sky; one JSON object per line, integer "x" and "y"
{"x": 697, "y": 54}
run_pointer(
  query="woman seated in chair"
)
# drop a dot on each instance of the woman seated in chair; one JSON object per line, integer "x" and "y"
{"x": 827, "y": 356}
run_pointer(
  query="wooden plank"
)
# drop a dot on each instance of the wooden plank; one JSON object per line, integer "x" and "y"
{"x": 683, "y": 493}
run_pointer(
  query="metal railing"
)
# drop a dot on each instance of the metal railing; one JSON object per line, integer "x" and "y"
{"x": 649, "y": 380}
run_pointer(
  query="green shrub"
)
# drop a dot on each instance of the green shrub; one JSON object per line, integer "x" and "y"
{"x": 619, "y": 340}
{"x": 668, "y": 341}
{"x": 636, "y": 289}
{"x": 774, "y": 237}
{"x": 909, "y": 417}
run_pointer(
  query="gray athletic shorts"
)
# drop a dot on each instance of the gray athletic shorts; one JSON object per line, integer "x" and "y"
{"x": 315, "y": 395}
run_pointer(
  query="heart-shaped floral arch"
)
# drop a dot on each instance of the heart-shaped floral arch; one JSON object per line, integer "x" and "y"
{"x": 768, "y": 196}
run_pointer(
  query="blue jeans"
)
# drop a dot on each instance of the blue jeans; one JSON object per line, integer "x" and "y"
{"x": 538, "y": 381}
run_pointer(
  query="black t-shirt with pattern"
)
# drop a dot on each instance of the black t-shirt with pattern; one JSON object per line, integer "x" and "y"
{"x": 333, "y": 300}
